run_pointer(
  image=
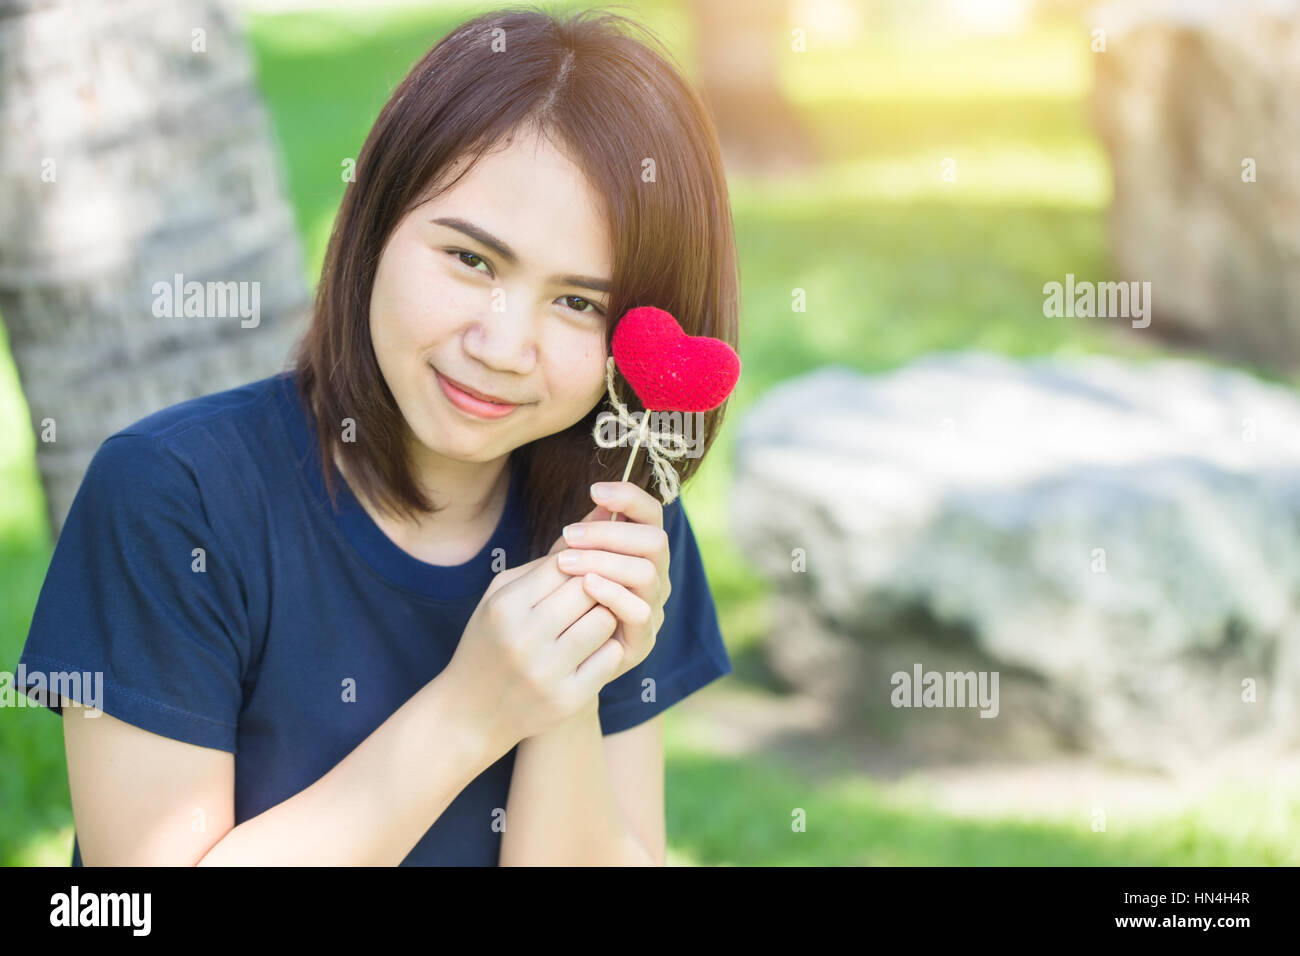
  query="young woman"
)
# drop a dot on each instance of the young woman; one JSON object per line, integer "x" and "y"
{"x": 328, "y": 607}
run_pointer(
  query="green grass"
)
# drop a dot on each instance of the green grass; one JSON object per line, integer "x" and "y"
{"x": 895, "y": 262}
{"x": 34, "y": 782}
{"x": 724, "y": 811}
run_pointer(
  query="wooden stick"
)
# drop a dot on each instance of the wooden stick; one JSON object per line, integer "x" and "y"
{"x": 645, "y": 425}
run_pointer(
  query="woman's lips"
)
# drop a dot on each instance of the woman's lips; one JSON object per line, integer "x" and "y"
{"x": 469, "y": 404}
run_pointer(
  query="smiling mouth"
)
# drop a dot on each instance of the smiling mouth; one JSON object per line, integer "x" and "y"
{"x": 472, "y": 402}
{"x": 474, "y": 393}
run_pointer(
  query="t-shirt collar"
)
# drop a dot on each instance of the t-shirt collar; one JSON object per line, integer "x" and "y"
{"x": 353, "y": 522}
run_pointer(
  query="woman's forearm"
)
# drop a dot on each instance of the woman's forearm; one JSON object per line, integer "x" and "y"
{"x": 561, "y": 810}
{"x": 375, "y": 804}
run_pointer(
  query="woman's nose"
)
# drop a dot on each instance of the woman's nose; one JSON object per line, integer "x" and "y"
{"x": 504, "y": 340}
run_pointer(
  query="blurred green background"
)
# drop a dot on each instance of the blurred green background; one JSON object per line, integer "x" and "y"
{"x": 896, "y": 263}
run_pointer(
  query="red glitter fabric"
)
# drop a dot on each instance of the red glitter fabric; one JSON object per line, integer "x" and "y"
{"x": 670, "y": 370}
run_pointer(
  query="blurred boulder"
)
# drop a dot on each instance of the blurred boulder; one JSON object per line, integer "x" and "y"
{"x": 1195, "y": 101}
{"x": 1119, "y": 540}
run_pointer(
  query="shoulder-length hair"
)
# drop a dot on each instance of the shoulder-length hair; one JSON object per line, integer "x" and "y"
{"x": 643, "y": 135}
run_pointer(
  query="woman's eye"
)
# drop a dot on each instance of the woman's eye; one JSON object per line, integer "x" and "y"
{"x": 596, "y": 310}
{"x": 460, "y": 254}
{"x": 473, "y": 260}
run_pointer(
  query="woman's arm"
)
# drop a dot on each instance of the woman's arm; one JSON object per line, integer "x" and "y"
{"x": 176, "y": 805}
{"x": 562, "y": 809}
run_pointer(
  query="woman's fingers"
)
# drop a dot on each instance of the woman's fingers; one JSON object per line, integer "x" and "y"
{"x": 536, "y": 580}
{"x": 563, "y": 606}
{"x": 533, "y": 582}
{"x": 639, "y": 622}
{"x": 597, "y": 513}
{"x": 586, "y": 635}
{"x": 622, "y": 536}
{"x": 599, "y": 669}
{"x": 631, "y": 501}
{"x": 639, "y": 575}
{"x": 634, "y": 612}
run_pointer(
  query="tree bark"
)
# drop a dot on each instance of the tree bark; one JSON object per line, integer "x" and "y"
{"x": 133, "y": 148}
{"x": 737, "y": 48}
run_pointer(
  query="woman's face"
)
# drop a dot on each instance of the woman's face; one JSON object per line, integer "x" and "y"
{"x": 499, "y": 284}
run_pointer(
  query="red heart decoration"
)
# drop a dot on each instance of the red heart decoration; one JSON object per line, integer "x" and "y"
{"x": 670, "y": 370}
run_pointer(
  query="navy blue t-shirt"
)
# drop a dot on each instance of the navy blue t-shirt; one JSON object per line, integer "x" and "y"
{"x": 253, "y": 654}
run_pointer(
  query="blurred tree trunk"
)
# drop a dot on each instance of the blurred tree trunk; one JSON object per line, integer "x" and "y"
{"x": 134, "y": 147}
{"x": 738, "y": 50}
{"x": 1196, "y": 108}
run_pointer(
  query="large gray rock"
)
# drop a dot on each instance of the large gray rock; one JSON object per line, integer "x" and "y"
{"x": 1196, "y": 103}
{"x": 1120, "y": 540}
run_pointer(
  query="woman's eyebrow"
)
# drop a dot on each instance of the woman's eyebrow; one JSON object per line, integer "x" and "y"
{"x": 505, "y": 252}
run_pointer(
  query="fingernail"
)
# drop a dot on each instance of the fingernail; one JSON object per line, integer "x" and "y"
{"x": 573, "y": 532}
{"x": 568, "y": 560}
{"x": 601, "y": 490}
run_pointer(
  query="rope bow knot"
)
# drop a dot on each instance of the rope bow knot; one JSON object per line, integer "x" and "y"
{"x": 664, "y": 446}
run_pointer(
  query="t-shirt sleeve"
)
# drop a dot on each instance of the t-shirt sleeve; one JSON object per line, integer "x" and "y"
{"x": 688, "y": 652}
{"x": 142, "y": 602}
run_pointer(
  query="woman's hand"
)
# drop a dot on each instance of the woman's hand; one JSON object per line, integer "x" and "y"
{"x": 624, "y": 564}
{"x": 534, "y": 654}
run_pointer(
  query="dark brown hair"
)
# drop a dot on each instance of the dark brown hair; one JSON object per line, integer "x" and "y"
{"x": 616, "y": 103}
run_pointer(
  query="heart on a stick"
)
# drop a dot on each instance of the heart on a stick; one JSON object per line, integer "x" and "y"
{"x": 669, "y": 370}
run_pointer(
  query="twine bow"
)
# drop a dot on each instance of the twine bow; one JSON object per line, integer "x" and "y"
{"x": 664, "y": 447}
